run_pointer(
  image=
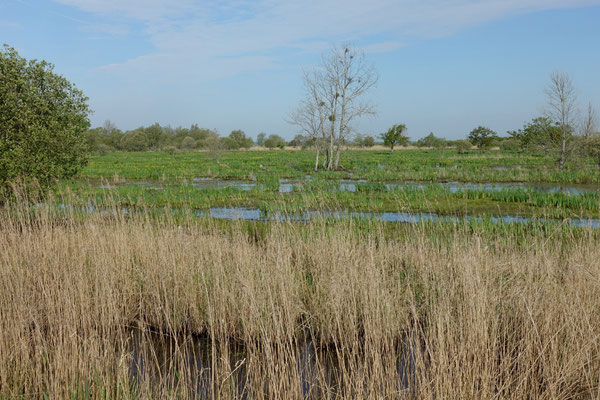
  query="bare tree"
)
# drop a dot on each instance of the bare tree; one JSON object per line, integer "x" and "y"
{"x": 109, "y": 127}
{"x": 588, "y": 125}
{"x": 561, "y": 108}
{"x": 352, "y": 77}
{"x": 333, "y": 100}
{"x": 308, "y": 119}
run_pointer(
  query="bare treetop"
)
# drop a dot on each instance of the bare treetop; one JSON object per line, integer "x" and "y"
{"x": 561, "y": 107}
{"x": 562, "y": 98}
{"x": 588, "y": 126}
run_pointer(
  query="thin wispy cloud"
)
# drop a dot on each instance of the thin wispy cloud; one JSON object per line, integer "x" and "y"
{"x": 232, "y": 63}
{"x": 9, "y": 24}
{"x": 189, "y": 35}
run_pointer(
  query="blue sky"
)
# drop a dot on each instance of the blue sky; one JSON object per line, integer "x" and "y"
{"x": 445, "y": 66}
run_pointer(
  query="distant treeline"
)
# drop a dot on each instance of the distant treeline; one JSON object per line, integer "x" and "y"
{"x": 156, "y": 137}
{"x": 539, "y": 134}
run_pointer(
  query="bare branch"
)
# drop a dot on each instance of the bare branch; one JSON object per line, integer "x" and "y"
{"x": 561, "y": 108}
{"x": 588, "y": 125}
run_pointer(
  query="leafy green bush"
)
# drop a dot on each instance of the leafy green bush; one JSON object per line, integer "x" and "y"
{"x": 103, "y": 148}
{"x": 592, "y": 148}
{"x": 482, "y": 137}
{"x": 241, "y": 139}
{"x": 228, "y": 143}
{"x": 432, "y": 141}
{"x": 171, "y": 150}
{"x": 43, "y": 119}
{"x": 188, "y": 143}
{"x": 134, "y": 141}
{"x": 395, "y": 136}
{"x": 275, "y": 141}
{"x": 462, "y": 146}
{"x": 368, "y": 141}
{"x": 510, "y": 144}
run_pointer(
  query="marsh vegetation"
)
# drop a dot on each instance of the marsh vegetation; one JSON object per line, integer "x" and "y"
{"x": 133, "y": 306}
{"x": 144, "y": 279}
{"x": 169, "y": 263}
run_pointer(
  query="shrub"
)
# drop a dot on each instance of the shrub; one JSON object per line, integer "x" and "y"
{"x": 431, "y": 141}
{"x": 103, "y": 148}
{"x": 188, "y": 143}
{"x": 134, "y": 141}
{"x": 274, "y": 141}
{"x": 298, "y": 141}
{"x": 482, "y": 137}
{"x": 510, "y": 144}
{"x": 229, "y": 143}
{"x": 368, "y": 141}
{"x": 241, "y": 139}
{"x": 462, "y": 146}
{"x": 260, "y": 139}
{"x": 592, "y": 148}
{"x": 43, "y": 119}
{"x": 170, "y": 150}
{"x": 395, "y": 136}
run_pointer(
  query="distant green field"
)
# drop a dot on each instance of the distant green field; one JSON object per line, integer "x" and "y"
{"x": 433, "y": 181}
{"x": 421, "y": 165}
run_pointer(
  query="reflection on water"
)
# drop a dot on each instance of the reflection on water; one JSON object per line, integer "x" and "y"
{"x": 506, "y": 167}
{"x": 208, "y": 368}
{"x": 209, "y": 183}
{"x": 354, "y": 185}
{"x": 145, "y": 184}
{"x": 166, "y": 361}
{"x": 255, "y": 214}
{"x": 454, "y": 187}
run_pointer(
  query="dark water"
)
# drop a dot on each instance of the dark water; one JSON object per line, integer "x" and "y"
{"x": 191, "y": 361}
{"x": 183, "y": 361}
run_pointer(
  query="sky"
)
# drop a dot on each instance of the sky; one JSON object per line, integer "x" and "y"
{"x": 444, "y": 66}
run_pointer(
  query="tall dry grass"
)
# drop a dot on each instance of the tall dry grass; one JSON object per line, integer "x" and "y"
{"x": 114, "y": 306}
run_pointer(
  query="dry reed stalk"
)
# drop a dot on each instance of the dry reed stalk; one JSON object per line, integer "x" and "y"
{"x": 106, "y": 306}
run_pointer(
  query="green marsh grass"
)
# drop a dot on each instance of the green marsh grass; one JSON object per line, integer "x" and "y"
{"x": 422, "y": 165}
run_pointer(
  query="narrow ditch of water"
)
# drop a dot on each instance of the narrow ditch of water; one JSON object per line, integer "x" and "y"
{"x": 255, "y": 214}
{"x": 354, "y": 185}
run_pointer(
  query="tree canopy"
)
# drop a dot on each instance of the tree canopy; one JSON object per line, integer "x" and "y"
{"x": 43, "y": 119}
{"x": 395, "y": 136}
{"x": 274, "y": 141}
{"x": 431, "y": 141}
{"x": 538, "y": 133}
{"x": 482, "y": 137}
{"x": 239, "y": 136}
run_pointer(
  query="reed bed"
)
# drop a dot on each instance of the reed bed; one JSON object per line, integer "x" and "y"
{"x": 133, "y": 306}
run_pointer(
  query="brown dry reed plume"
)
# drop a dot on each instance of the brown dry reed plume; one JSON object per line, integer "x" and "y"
{"x": 108, "y": 305}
